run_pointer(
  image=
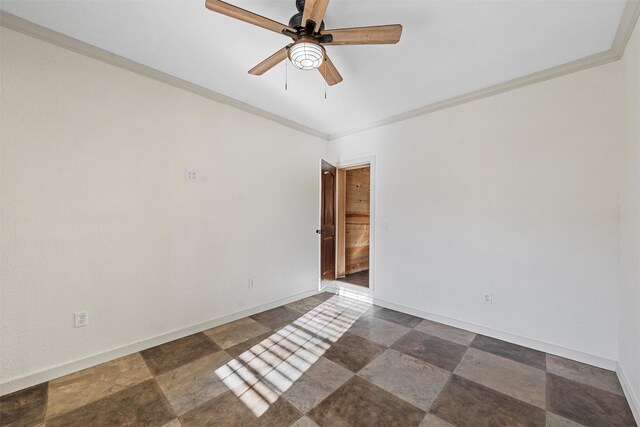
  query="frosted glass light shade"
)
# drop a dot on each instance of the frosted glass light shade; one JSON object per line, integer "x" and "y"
{"x": 306, "y": 56}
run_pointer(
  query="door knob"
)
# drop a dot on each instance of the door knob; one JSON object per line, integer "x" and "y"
{"x": 321, "y": 231}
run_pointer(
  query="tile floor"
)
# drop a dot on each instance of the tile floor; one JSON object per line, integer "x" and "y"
{"x": 360, "y": 278}
{"x": 328, "y": 361}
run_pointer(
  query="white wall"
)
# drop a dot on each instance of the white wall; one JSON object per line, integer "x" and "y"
{"x": 96, "y": 213}
{"x": 629, "y": 323}
{"x": 516, "y": 194}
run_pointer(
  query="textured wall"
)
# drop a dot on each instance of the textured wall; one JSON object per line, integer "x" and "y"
{"x": 629, "y": 321}
{"x": 516, "y": 194}
{"x": 97, "y": 215}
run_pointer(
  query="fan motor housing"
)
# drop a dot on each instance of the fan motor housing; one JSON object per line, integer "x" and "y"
{"x": 296, "y": 20}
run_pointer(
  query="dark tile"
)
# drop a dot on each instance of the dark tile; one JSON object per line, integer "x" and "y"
{"x": 360, "y": 278}
{"x": 277, "y": 318}
{"x": 443, "y": 353}
{"x": 397, "y": 317}
{"x": 25, "y": 407}
{"x": 353, "y": 352}
{"x": 140, "y": 405}
{"x": 586, "y": 404}
{"x": 238, "y": 349}
{"x": 465, "y": 403}
{"x": 325, "y": 296}
{"x": 360, "y": 403}
{"x": 174, "y": 354}
{"x": 229, "y": 410}
{"x": 583, "y": 373}
{"x": 233, "y": 333}
{"x": 511, "y": 351}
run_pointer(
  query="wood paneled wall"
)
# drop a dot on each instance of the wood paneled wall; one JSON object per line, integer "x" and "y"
{"x": 357, "y": 220}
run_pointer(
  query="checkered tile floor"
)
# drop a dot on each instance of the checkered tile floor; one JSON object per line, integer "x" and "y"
{"x": 328, "y": 361}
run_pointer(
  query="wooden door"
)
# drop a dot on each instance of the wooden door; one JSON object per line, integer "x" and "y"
{"x": 328, "y": 222}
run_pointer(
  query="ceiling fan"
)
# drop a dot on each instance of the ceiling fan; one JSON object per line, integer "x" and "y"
{"x": 306, "y": 29}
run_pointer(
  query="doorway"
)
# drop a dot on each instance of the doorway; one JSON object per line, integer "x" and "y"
{"x": 353, "y": 236}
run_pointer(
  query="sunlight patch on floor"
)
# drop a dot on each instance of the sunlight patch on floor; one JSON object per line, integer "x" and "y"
{"x": 268, "y": 369}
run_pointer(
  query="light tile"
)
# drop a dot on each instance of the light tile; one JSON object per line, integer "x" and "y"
{"x": 432, "y": 421}
{"x": 504, "y": 375}
{"x": 554, "y": 420}
{"x": 304, "y": 422}
{"x": 378, "y": 330}
{"x": 409, "y": 378}
{"x": 319, "y": 381}
{"x": 459, "y": 336}
{"x": 86, "y": 386}
{"x": 194, "y": 383}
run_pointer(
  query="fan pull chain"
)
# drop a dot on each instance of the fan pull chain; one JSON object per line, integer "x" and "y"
{"x": 324, "y": 64}
{"x": 286, "y": 68}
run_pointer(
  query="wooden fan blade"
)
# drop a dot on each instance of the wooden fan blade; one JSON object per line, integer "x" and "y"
{"x": 270, "y": 62}
{"x": 329, "y": 72}
{"x": 382, "y": 34}
{"x": 314, "y": 10}
{"x": 246, "y": 16}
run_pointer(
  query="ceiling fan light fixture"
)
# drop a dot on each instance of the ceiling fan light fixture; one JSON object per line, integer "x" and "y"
{"x": 306, "y": 55}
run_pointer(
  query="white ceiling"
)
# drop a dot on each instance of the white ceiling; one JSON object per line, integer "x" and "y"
{"x": 448, "y": 48}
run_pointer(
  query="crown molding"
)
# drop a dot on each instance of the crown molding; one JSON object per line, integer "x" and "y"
{"x": 29, "y": 28}
{"x": 625, "y": 28}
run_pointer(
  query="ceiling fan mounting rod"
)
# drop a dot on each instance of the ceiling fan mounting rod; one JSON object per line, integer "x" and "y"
{"x": 307, "y": 31}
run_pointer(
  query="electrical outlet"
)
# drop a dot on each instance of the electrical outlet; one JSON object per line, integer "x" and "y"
{"x": 190, "y": 175}
{"x": 250, "y": 284}
{"x": 80, "y": 319}
{"x": 488, "y": 298}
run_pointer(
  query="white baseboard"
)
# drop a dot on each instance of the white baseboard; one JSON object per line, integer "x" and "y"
{"x": 632, "y": 398}
{"x": 568, "y": 353}
{"x": 15, "y": 384}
